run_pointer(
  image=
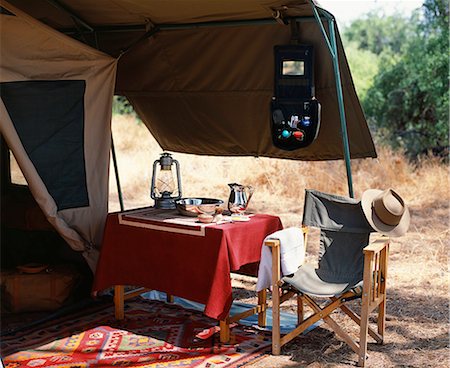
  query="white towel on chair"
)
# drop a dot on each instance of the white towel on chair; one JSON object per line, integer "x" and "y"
{"x": 292, "y": 255}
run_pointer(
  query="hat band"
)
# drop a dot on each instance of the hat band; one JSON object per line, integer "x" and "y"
{"x": 384, "y": 215}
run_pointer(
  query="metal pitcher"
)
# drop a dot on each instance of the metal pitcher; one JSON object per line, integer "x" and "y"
{"x": 239, "y": 199}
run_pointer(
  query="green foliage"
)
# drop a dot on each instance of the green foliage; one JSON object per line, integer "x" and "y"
{"x": 121, "y": 106}
{"x": 364, "y": 67}
{"x": 378, "y": 33}
{"x": 407, "y": 104}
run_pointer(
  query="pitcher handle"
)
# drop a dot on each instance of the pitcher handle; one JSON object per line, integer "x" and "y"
{"x": 250, "y": 193}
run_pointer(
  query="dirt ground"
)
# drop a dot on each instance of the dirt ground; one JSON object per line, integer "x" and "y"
{"x": 417, "y": 326}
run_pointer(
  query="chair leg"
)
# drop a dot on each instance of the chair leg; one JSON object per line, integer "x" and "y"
{"x": 262, "y": 303}
{"x": 381, "y": 322}
{"x": 363, "y": 337}
{"x": 276, "y": 276}
{"x": 365, "y": 305}
{"x": 276, "y": 344}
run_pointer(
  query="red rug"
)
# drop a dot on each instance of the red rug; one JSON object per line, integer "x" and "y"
{"x": 154, "y": 334}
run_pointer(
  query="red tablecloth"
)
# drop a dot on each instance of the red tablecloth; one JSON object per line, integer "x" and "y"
{"x": 192, "y": 267}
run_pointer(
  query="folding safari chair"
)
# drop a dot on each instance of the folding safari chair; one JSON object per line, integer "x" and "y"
{"x": 348, "y": 268}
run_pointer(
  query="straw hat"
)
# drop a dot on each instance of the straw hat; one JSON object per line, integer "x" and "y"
{"x": 386, "y": 211}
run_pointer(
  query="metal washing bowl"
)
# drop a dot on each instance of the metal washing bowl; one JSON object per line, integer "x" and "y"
{"x": 194, "y": 206}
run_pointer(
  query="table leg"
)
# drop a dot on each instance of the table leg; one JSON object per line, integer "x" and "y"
{"x": 119, "y": 301}
{"x": 224, "y": 330}
{"x": 262, "y": 304}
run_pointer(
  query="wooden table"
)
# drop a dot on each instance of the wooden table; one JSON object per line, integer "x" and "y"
{"x": 164, "y": 251}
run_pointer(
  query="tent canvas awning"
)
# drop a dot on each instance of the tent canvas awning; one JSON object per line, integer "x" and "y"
{"x": 199, "y": 73}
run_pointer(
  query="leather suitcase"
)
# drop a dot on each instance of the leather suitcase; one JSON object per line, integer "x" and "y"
{"x": 47, "y": 290}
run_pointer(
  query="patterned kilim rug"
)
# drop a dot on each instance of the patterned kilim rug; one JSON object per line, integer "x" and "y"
{"x": 153, "y": 334}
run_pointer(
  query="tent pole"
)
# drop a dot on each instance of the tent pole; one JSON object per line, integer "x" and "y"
{"x": 340, "y": 97}
{"x": 181, "y": 26}
{"x": 322, "y": 29}
{"x": 332, "y": 46}
{"x": 57, "y": 4}
{"x": 116, "y": 171}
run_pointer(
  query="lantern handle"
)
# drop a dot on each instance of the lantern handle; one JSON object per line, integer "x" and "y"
{"x": 152, "y": 187}
{"x": 178, "y": 179}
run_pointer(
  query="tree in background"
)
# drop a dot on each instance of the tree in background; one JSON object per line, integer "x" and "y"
{"x": 407, "y": 105}
{"x": 381, "y": 34}
{"x": 364, "y": 65}
{"x": 121, "y": 106}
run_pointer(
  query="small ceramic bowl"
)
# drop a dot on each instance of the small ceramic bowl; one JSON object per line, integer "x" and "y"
{"x": 206, "y": 219}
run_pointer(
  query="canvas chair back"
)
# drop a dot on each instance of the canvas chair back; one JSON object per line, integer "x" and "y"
{"x": 344, "y": 232}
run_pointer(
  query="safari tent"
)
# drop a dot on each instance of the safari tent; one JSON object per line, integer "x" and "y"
{"x": 199, "y": 73}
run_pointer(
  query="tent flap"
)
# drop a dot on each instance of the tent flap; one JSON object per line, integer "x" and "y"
{"x": 56, "y": 100}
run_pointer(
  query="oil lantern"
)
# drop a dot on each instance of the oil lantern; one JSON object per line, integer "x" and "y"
{"x": 165, "y": 189}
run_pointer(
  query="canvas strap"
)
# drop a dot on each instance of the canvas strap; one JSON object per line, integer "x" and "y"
{"x": 295, "y": 32}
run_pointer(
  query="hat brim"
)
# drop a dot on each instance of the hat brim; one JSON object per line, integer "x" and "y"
{"x": 398, "y": 230}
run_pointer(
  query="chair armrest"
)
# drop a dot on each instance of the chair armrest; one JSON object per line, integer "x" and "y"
{"x": 375, "y": 273}
{"x": 272, "y": 243}
{"x": 377, "y": 245}
{"x": 276, "y": 243}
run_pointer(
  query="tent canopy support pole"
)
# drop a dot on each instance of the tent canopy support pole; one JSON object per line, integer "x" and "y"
{"x": 181, "y": 26}
{"x": 116, "y": 171}
{"x": 331, "y": 42}
{"x": 57, "y": 4}
{"x": 324, "y": 33}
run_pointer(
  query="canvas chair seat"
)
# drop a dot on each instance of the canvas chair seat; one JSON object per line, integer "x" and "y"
{"x": 307, "y": 281}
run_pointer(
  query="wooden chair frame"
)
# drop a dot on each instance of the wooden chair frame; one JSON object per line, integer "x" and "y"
{"x": 260, "y": 309}
{"x": 373, "y": 296}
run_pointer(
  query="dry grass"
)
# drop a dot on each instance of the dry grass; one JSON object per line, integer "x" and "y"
{"x": 279, "y": 183}
{"x": 418, "y": 307}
